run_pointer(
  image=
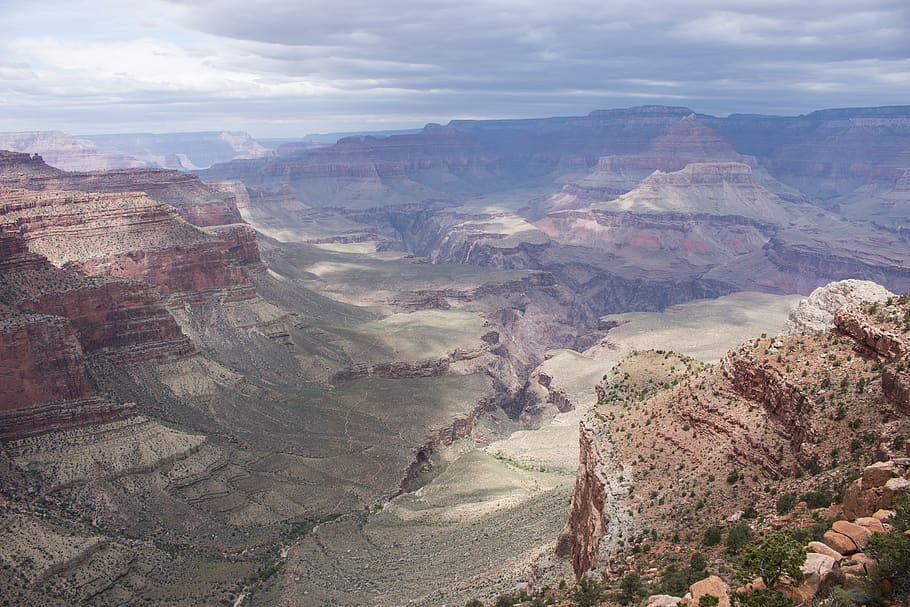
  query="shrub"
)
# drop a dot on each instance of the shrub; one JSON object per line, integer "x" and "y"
{"x": 762, "y": 598}
{"x": 821, "y": 498}
{"x": 674, "y": 581}
{"x": 708, "y": 600}
{"x": 588, "y": 592}
{"x": 712, "y": 536}
{"x": 697, "y": 564}
{"x": 785, "y": 503}
{"x": 892, "y": 551}
{"x": 505, "y": 600}
{"x": 473, "y": 603}
{"x": 738, "y": 536}
{"x": 775, "y": 555}
{"x": 630, "y": 588}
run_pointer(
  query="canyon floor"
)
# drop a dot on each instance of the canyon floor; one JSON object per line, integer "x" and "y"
{"x": 485, "y": 511}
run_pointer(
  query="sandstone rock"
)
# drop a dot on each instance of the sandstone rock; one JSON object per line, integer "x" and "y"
{"x": 896, "y": 387}
{"x": 858, "y": 534}
{"x": 883, "y": 515}
{"x": 863, "y": 563}
{"x": 851, "y": 580}
{"x": 821, "y": 548}
{"x": 877, "y": 474}
{"x": 871, "y": 523}
{"x": 883, "y": 343}
{"x": 817, "y": 563}
{"x": 663, "y": 600}
{"x": 581, "y": 535}
{"x": 893, "y": 488}
{"x": 820, "y": 572}
{"x": 816, "y": 313}
{"x": 713, "y": 586}
{"x": 859, "y": 501}
{"x": 839, "y": 542}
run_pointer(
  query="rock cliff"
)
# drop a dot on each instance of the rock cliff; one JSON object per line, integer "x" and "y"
{"x": 131, "y": 236}
{"x": 816, "y": 312}
{"x": 785, "y": 411}
{"x": 45, "y": 385}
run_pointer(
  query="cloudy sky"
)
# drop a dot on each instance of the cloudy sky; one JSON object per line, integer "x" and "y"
{"x": 282, "y": 68}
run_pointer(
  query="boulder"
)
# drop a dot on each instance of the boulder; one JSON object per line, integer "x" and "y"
{"x": 663, "y": 600}
{"x": 821, "y": 548}
{"x": 871, "y": 523}
{"x": 859, "y": 501}
{"x": 857, "y": 581}
{"x": 860, "y": 564}
{"x": 818, "y": 563}
{"x": 820, "y": 573}
{"x": 839, "y": 542}
{"x": 713, "y": 586}
{"x": 756, "y": 584}
{"x": 883, "y": 515}
{"x": 877, "y": 474}
{"x": 859, "y": 534}
{"x": 893, "y": 488}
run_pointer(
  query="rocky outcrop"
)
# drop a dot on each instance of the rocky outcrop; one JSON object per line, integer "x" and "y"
{"x": 581, "y": 536}
{"x": 877, "y": 487}
{"x": 44, "y": 384}
{"x": 710, "y": 586}
{"x": 896, "y": 387}
{"x": 886, "y": 344}
{"x": 395, "y": 370}
{"x": 196, "y": 202}
{"x": 823, "y": 261}
{"x": 816, "y": 312}
{"x": 124, "y": 319}
{"x": 461, "y": 427}
{"x": 132, "y": 236}
{"x": 784, "y": 402}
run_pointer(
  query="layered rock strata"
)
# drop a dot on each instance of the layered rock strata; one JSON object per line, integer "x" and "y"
{"x": 132, "y": 236}
{"x": 775, "y": 410}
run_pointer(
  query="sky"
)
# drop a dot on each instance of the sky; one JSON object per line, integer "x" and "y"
{"x": 285, "y": 68}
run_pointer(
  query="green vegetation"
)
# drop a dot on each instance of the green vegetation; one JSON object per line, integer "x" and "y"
{"x": 589, "y": 592}
{"x": 785, "y": 503}
{"x": 770, "y": 558}
{"x": 713, "y": 536}
{"x": 762, "y": 598}
{"x": 739, "y": 535}
{"x": 631, "y": 589}
{"x": 892, "y": 550}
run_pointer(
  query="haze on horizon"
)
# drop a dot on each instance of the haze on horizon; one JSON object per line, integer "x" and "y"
{"x": 285, "y": 68}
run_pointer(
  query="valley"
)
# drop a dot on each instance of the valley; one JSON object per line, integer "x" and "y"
{"x": 363, "y": 373}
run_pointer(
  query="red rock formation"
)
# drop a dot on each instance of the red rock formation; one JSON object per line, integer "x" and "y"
{"x": 125, "y": 319}
{"x": 876, "y": 488}
{"x": 783, "y": 400}
{"x": 886, "y": 344}
{"x": 133, "y": 236}
{"x": 122, "y": 318}
{"x": 896, "y": 387}
{"x": 580, "y": 537}
{"x": 44, "y": 385}
{"x": 196, "y": 202}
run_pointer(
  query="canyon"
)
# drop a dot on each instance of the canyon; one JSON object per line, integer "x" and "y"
{"x": 297, "y": 376}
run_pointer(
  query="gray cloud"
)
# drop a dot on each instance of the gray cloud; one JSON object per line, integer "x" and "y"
{"x": 319, "y": 65}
